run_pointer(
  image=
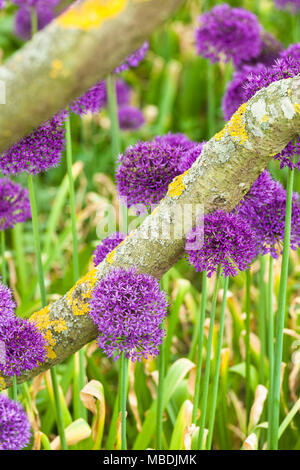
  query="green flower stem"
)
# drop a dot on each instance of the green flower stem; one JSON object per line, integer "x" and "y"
{"x": 15, "y": 388}
{"x": 215, "y": 384}
{"x": 262, "y": 319}
{"x": 34, "y": 21}
{"x": 18, "y": 242}
{"x": 200, "y": 347}
{"x": 204, "y": 397}
{"x": 275, "y": 391}
{"x": 160, "y": 393}
{"x": 113, "y": 115}
{"x": 3, "y": 265}
{"x": 211, "y": 99}
{"x": 247, "y": 345}
{"x": 123, "y": 385}
{"x": 35, "y": 224}
{"x": 270, "y": 338}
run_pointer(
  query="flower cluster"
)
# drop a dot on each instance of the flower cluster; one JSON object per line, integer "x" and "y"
{"x": 292, "y": 51}
{"x": 228, "y": 33}
{"x": 225, "y": 240}
{"x": 23, "y": 20}
{"x": 134, "y": 59}
{"x": 14, "y": 204}
{"x": 91, "y": 101}
{"x": 37, "y": 152}
{"x": 145, "y": 171}
{"x": 176, "y": 140}
{"x": 270, "y": 51}
{"x": 130, "y": 118}
{"x": 128, "y": 309}
{"x": 14, "y": 425}
{"x": 291, "y": 5}
{"x": 7, "y": 303}
{"x": 106, "y": 246}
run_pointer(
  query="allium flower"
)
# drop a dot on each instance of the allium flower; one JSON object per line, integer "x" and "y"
{"x": 23, "y": 23}
{"x": 92, "y": 101}
{"x": 14, "y": 425}
{"x": 190, "y": 156}
{"x": 228, "y": 241}
{"x": 106, "y": 246}
{"x": 122, "y": 92}
{"x": 130, "y": 118}
{"x": 234, "y": 95}
{"x": 14, "y": 204}
{"x": 291, "y": 5}
{"x": 290, "y": 155}
{"x": 24, "y": 346}
{"x": 268, "y": 221}
{"x": 134, "y": 59}
{"x": 228, "y": 33}
{"x": 176, "y": 140}
{"x": 292, "y": 51}
{"x": 128, "y": 309}
{"x": 37, "y": 152}
{"x": 145, "y": 172}
{"x": 270, "y": 51}
{"x": 7, "y": 303}
{"x": 261, "y": 192}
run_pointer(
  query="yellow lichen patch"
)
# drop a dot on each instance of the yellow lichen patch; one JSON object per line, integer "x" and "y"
{"x": 297, "y": 108}
{"x": 236, "y": 127}
{"x": 45, "y": 324}
{"x": 220, "y": 134}
{"x": 177, "y": 186}
{"x": 80, "y": 305}
{"x": 2, "y": 383}
{"x": 265, "y": 118}
{"x": 58, "y": 69}
{"x": 91, "y": 14}
{"x": 111, "y": 255}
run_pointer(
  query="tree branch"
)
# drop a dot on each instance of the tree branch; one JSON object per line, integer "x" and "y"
{"x": 227, "y": 167}
{"x": 79, "y": 48}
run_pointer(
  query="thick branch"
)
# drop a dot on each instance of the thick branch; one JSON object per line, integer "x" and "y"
{"x": 229, "y": 164}
{"x": 79, "y": 48}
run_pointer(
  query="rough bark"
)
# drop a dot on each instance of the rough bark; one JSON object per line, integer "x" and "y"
{"x": 229, "y": 164}
{"x": 79, "y": 48}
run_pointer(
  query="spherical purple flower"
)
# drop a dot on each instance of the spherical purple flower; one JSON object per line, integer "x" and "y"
{"x": 261, "y": 192}
{"x": 145, "y": 172}
{"x": 290, "y": 155}
{"x": 225, "y": 240}
{"x": 128, "y": 309}
{"x": 291, "y": 5}
{"x": 234, "y": 95}
{"x": 24, "y": 346}
{"x": 7, "y": 303}
{"x": 130, "y": 118}
{"x": 134, "y": 59}
{"x": 14, "y": 204}
{"x": 14, "y": 425}
{"x": 37, "y": 152}
{"x": 106, "y": 246}
{"x": 292, "y": 51}
{"x": 228, "y": 33}
{"x": 92, "y": 100}
{"x": 122, "y": 92}
{"x": 190, "y": 156}
{"x": 176, "y": 140}
{"x": 23, "y": 22}
{"x": 268, "y": 221}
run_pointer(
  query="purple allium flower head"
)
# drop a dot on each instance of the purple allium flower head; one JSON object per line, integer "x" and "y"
{"x": 7, "y": 303}
{"x": 24, "y": 346}
{"x": 292, "y": 51}
{"x": 190, "y": 156}
{"x": 122, "y": 92}
{"x": 106, "y": 246}
{"x": 261, "y": 192}
{"x": 290, "y": 155}
{"x": 228, "y": 241}
{"x": 128, "y": 309}
{"x": 145, "y": 172}
{"x": 134, "y": 59}
{"x": 130, "y": 118}
{"x": 14, "y": 425}
{"x": 228, "y": 33}
{"x": 14, "y": 204}
{"x": 268, "y": 221}
{"x": 92, "y": 101}
{"x": 234, "y": 95}
{"x": 23, "y": 25}
{"x": 292, "y": 5}
{"x": 37, "y": 152}
{"x": 176, "y": 140}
